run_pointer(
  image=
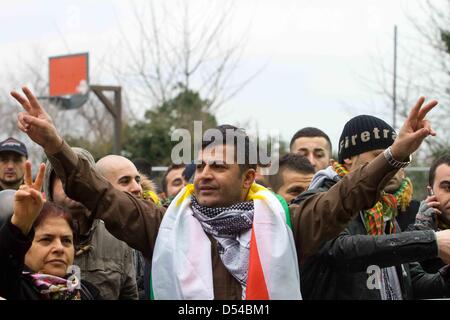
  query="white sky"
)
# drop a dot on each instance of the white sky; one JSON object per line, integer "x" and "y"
{"x": 315, "y": 52}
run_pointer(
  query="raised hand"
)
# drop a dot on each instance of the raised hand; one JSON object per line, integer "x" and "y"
{"x": 433, "y": 203}
{"x": 28, "y": 200}
{"x": 414, "y": 130}
{"x": 36, "y": 123}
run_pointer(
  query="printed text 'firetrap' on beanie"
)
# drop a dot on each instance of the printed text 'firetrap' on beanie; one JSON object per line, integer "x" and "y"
{"x": 364, "y": 133}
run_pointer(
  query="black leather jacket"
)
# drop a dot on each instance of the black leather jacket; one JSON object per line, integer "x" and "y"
{"x": 339, "y": 270}
{"x": 13, "y": 284}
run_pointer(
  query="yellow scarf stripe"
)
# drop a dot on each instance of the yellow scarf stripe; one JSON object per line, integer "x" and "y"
{"x": 188, "y": 190}
{"x": 252, "y": 192}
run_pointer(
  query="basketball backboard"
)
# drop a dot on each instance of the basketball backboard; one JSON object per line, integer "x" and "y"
{"x": 69, "y": 75}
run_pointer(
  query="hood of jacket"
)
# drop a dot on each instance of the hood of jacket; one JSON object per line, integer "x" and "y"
{"x": 50, "y": 172}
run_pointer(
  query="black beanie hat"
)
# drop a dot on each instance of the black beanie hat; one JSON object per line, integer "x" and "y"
{"x": 364, "y": 133}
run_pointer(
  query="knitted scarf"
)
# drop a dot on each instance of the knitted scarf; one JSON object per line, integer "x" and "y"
{"x": 404, "y": 194}
{"x": 385, "y": 209}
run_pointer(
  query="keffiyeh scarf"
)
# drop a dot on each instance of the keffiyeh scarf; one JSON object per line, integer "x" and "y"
{"x": 255, "y": 243}
{"x": 225, "y": 224}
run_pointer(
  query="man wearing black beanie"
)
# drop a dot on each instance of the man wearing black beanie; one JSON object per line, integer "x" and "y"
{"x": 370, "y": 259}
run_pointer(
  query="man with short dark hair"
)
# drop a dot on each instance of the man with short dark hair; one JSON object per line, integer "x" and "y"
{"x": 371, "y": 258}
{"x": 173, "y": 181}
{"x": 434, "y": 211}
{"x": 216, "y": 240}
{"x": 13, "y": 155}
{"x": 314, "y": 144}
{"x": 294, "y": 175}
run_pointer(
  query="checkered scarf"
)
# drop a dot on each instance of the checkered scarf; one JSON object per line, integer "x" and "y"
{"x": 385, "y": 209}
{"x": 225, "y": 224}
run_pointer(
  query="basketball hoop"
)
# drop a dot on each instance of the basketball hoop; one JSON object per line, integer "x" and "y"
{"x": 69, "y": 80}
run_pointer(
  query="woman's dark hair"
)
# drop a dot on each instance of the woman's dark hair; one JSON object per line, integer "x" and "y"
{"x": 51, "y": 209}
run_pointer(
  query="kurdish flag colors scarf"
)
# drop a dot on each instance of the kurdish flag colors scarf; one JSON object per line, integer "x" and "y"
{"x": 182, "y": 267}
{"x": 386, "y": 209}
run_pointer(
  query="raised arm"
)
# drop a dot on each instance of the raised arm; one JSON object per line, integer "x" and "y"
{"x": 16, "y": 235}
{"x": 323, "y": 216}
{"x": 129, "y": 219}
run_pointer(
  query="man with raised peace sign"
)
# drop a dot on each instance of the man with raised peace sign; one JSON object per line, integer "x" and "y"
{"x": 216, "y": 239}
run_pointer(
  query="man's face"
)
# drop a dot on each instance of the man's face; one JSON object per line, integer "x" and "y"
{"x": 357, "y": 161}
{"x": 316, "y": 149}
{"x": 12, "y": 168}
{"x": 60, "y": 197}
{"x": 175, "y": 181}
{"x": 125, "y": 177}
{"x": 395, "y": 182}
{"x": 441, "y": 188}
{"x": 218, "y": 182}
{"x": 294, "y": 183}
{"x": 52, "y": 250}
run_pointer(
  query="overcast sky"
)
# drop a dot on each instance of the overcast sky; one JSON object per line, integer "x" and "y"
{"x": 315, "y": 53}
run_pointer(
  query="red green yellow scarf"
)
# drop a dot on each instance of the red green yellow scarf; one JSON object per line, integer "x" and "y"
{"x": 374, "y": 218}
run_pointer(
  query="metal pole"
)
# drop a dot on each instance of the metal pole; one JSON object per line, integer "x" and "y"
{"x": 394, "y": 92}
{"x": 118, "y": 121}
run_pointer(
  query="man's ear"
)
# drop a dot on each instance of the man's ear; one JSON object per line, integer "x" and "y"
{"x": 249, "y": 178}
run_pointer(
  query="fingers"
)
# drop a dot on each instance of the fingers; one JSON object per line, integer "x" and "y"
{"x": 415, "y": 110}
{"x": 423, "y": 111}
{"x": 434, "y": 204}
{"x": 27, "y": 121}
{"x": 39, "y": 177}
{"x": 26, "y": 194}
{"x": 426, "y": 124}
{"x": 36, "y": 195}
{"x": 21, "y": 194}
{"x": 22, "y": 100}
{"x": 32, "y": 99}
{"x": 27, "y": 177}
{"x": 420, "y": 135}
{"x": 21, "y": 121}
{"x": 21, "y": 126}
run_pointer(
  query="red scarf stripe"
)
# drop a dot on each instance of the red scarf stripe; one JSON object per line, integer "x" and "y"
{"x": 256, "y": 284}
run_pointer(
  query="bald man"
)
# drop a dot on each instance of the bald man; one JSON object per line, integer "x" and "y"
{"x": 124, "y": 176}
{"x": 121, "y": 173}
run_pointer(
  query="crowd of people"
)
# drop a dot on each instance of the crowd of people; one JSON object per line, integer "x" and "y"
{"x": 318, "y": 228}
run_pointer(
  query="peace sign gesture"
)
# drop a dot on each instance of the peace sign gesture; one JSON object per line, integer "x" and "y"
{"x": 414, "y": 130}
{"x": 36, "y": 123}
{"x": 28, "y": 200}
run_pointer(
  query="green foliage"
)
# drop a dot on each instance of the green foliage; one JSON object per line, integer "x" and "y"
{"x": 150, "y": 138}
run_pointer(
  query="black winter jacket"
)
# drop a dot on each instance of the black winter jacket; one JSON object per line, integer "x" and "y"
{"x": 339, "y": 270}
{"x": 13, "y": 284}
